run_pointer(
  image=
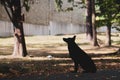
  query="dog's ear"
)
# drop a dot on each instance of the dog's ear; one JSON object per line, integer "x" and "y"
{"x": 74, "y": 37}
{"x": 64, "y": 39}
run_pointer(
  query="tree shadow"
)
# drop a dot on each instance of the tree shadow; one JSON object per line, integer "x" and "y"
{"x": 64, "y": 54}
{"x": 116, "y": 53}
{"x": 38, "y": 53}
{"x": 51, "y": 68}
{"x": 100, "y": 75}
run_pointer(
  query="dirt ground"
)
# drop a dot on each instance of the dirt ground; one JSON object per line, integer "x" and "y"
{"x": 48, "y": 59}
{"x": 100, "y": 75}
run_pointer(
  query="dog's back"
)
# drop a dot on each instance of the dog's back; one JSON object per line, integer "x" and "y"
{"x": 79, "y": 56}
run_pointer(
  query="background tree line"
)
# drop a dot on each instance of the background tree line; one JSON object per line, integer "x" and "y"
{"x": 99, "y": 13}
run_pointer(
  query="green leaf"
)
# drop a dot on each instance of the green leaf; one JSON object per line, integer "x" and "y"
{"x": 26, "y": 5}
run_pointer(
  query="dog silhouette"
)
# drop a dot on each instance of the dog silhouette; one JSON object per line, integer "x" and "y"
{"x": 79, "y": 57}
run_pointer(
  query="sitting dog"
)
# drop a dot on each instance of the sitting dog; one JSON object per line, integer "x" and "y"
{"x": 79, "y": 57}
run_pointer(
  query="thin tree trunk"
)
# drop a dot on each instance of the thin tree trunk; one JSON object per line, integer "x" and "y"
{"x": 89, "y": 20}
{"x": 108, "y": 35}
{"x": 95, "y": 43}
{"x": 24, "y": 53}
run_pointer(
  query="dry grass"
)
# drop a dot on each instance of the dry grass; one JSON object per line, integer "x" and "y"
{"x": 40, "y": 47}
{"x": 55, "y": 44}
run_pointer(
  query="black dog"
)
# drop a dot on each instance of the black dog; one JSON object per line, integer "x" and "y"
{"x": 79, "y": 57}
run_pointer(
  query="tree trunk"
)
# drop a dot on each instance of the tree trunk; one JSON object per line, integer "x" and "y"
{"x": 89, "y": 20}
{"x": 19, "y": 46}
{"x": 19, "y": 42}
{"x": 17, "y": 20}
{"x": 95, "y": 43}
{"x": 108, "y": 35}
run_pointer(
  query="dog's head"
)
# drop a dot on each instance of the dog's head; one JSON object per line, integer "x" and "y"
{"x": 69, "y": 40}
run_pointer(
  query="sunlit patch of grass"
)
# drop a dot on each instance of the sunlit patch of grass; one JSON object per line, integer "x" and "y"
{"x": 101, "y": 34}
{"x": 38, "y": 45}
{"x": 6, "y": 50}
{"x": 116, "y": 42}
{"x": 83, "y": 43}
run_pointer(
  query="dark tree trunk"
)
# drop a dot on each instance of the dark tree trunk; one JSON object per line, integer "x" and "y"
{"x": 17, "y": 20}
{"x": 19, "y": 46}
{"x": 108, "y": 34}
{"x": 95, "y": 42}
{"x": 89, "y": 20}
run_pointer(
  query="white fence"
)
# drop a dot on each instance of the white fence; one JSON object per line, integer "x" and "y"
{"x": 54, "y": 28}
{"x": 6, "y": 28}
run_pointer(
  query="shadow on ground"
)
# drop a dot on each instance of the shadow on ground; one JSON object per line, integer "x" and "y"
{"x": 100, "y": 75}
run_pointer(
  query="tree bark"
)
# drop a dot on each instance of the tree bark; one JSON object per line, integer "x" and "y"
{"x": 89, "y": 20}
{"x": 17, "y": 20}
{"x": 95, "y": 42}
{"x": 19, "y": 42}
{"x": 108, "y": 34}
{"x": 19, "y": 46}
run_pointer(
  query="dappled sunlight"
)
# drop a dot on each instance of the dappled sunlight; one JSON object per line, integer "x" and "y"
{"x": 57, "y": 52}
{"x": 6, "y": 50}
{"x": 20, "y": 66}
{"x": 62, "y": 64}
{"x": 48, "y": 56}
{"x": 56, "y": 44}
{"x": 107, "y": 58}
{"x": 102, "y": 50}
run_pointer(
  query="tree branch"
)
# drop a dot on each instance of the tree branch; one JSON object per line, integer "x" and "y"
{"x": 7, "y": 11}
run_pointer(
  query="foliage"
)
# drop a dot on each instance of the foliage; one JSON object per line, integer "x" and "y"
{"x": 74, "y": 3}
{"x": 59, "y": 4}
{"x": 117, "y": 28}
{"x": 25, "y": 3}
{"x": 108, "y": 12}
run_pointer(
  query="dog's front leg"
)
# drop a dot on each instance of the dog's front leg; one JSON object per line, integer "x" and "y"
{"x": 75, "y": 67}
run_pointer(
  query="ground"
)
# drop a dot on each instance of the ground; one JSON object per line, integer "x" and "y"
{"x": 100, "y": 75}
{"x": 48, "y": 59}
